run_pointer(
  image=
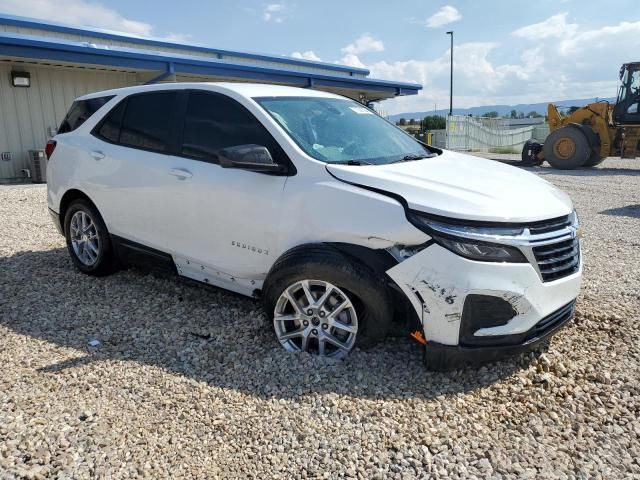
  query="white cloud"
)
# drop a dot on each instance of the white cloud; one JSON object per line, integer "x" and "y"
{"x": 77, "y": 12}
{"x": 274, "y": 12}
{"x": 555, "y": 26}
{"x": 308, "y": 55}
{"x": 352, "y": 61}
{"x": 560, "y": 59}
{"x": 364, "y": 44}
{"x": 444, "y": 16}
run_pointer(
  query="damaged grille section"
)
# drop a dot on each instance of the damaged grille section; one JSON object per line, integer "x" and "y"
{"x": 556, "y": 248}
{"x": 557, "y": 260}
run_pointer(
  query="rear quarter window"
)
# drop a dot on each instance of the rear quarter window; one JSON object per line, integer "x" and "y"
{"x": 81, "y": 111}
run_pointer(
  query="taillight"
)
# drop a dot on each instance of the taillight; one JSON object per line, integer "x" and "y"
{"x": 49, "y": 148}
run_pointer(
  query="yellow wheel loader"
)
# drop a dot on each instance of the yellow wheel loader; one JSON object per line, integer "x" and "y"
{"x": 585, "y": 137}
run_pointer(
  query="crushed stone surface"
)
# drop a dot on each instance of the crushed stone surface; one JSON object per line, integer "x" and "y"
{"x": 189, "y": 382}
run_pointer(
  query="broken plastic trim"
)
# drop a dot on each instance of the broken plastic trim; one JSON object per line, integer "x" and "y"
{"x": 402, "y": 252}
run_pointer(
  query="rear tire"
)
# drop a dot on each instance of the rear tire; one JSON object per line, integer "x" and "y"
{"x": 88, "y": 240}
{"x": 566, "y": 148}
{"x": 316, "y": 267}
{"x": 594, "y": 159}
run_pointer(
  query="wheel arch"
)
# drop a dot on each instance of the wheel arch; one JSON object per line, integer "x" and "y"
{"x": 66, "y": 200}
{"x": 378, "y": 261}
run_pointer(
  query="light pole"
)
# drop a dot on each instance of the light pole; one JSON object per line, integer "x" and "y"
{"x": 451, "y": 77}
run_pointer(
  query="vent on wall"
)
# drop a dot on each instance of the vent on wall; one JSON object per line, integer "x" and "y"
{"x": 38, "y": 164}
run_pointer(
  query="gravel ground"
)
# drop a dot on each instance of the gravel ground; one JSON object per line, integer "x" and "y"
{"x": 188, "y": 382}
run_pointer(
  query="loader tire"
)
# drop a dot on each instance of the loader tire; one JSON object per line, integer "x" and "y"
{"x": 567, "y": 148}
{"x": 594, "y": 159}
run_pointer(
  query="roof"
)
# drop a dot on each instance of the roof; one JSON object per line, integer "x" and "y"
{"x": 250, "y": 90}
{"x": 32, "y": 23}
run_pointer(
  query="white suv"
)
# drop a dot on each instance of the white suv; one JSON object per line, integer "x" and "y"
{"x": 343, "y": 224}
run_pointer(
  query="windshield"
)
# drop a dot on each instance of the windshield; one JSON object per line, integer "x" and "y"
{"x": 338, "y": 130}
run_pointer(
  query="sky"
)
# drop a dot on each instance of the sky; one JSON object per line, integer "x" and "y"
{"x": 506, "y": 51}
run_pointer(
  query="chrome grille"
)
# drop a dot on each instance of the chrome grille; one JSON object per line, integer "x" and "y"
{"x": 557, "y": 254}
{"x": 545, "y": 226}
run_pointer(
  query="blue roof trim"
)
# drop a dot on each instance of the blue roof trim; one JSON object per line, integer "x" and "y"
{"x": 111, "y": 35}
{"x": 26, "y": 46}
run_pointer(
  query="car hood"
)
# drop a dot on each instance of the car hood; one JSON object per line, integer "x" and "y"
{"x": 464, "y": 187}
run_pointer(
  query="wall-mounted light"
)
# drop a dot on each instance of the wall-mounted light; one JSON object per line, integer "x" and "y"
{"x": 21, "y": 79}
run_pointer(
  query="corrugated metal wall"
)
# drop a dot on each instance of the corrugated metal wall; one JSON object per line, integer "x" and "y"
{"x": 26, "y": 114}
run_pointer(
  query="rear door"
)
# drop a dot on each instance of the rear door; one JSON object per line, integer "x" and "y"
{"x": 135, "y": 183}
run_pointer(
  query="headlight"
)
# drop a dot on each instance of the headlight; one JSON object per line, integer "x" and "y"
{"x": 483, "y": 252}
{"x": 470, "y": 241}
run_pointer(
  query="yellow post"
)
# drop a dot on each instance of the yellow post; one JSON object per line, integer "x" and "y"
{"x": 430, "y": 138}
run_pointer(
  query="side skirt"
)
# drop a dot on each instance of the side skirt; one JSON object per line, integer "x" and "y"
{"x": 131, "y": 252}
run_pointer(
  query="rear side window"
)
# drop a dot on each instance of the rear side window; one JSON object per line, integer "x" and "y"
{"x": 109, "y": 129}
{"x": 81, "y": 111}
{"x": 147, "y": 121}
{"x": 213, "y": 122}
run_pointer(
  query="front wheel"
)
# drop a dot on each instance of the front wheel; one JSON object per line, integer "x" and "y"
{"x": 530, "y": 154}
{"x": 566, "y": 148}
{"x": 324, "y": 303}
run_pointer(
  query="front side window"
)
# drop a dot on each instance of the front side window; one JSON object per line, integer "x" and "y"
{"x": 148, "y": 120}
{"x": 81, "y": 111}
{"x": 214, "y": 122}
{"x": 341, "y": 130}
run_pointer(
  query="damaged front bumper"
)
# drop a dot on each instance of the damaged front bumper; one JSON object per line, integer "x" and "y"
{"x": 479, "y": 311}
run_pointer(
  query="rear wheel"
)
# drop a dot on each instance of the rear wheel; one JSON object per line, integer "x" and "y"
{"x": 594, "y": 159}
{"x": 567, "y": 148}
{"x": 88, "y": 240}
{"x": 324, "y": 303}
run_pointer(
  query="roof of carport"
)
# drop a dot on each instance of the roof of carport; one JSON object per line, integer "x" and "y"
{"x": 84, "y": 53}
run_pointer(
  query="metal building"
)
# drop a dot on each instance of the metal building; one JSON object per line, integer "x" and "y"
{"x": 45, "y": 66}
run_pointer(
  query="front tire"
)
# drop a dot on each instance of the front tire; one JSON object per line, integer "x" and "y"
{"x": 325, "y": 303}
{"x": 566, "y": 148}
{"x": 88, "y": 240}
{"x": 530, "y": 152}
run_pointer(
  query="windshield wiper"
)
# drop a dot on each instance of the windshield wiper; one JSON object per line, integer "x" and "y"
{"x": 410, "y": 158}
{"x": 351, "y": 162}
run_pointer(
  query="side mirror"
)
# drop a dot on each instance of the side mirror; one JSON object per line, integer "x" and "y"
{"x": 255, "y": 158}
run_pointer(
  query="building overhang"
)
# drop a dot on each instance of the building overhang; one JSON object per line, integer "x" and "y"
{"x": 162, "y": 65}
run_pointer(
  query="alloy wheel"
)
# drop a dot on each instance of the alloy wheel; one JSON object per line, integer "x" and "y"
{"x": 317, "y": 317}
{"x": 84, "y": 238}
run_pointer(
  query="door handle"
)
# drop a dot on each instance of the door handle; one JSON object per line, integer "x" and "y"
{"x": 181, "y": 173}
{"x": 97, "y": 155}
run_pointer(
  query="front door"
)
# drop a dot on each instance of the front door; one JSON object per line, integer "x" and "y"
{"x": 226, "y": 220}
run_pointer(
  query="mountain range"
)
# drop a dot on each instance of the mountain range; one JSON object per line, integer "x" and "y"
{"x": 503, "y": 110}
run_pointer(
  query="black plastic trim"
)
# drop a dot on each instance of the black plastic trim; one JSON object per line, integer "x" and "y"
{"x": 446, "y": 357}
{"x": 129, "y": 251}
{"x": 483, "y": 311}
{"x": 55, "y": 218}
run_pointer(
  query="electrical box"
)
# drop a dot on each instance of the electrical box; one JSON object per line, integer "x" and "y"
{"x": 38, "y": 166}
